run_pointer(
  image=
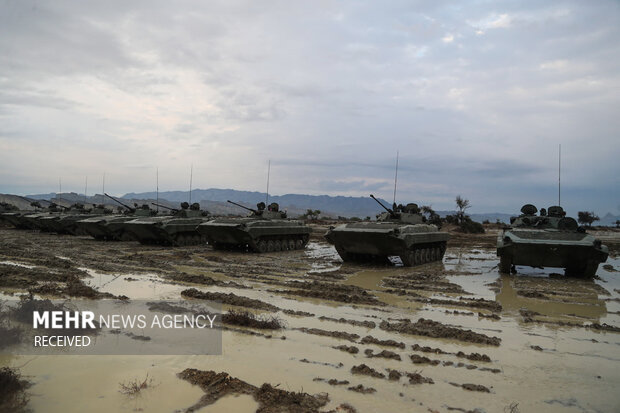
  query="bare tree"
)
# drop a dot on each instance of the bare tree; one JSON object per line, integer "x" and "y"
{"x": 462, "y": 204}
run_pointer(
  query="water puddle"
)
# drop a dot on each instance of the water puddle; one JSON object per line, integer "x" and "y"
{"x": 17, "y": 264}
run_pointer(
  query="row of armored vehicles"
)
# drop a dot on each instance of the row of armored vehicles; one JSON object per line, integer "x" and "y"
{"x": 547, "y": 240}
{"x": 266, "y": 229}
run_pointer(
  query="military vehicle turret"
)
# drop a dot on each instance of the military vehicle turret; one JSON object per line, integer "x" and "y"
{"x": 178, "y": 229}
{"x": 265, "y": 229}
{"x": 111, "y": 227}
{"x": 399, "y": 231}
{"x": 550, "y": 239}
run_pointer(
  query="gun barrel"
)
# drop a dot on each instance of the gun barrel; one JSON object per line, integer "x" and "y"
{"x": 242, "y": 206}
{"x": 164, "y": 206}
{"x": 384, "y": 207}
{"x": 119, "y": 202}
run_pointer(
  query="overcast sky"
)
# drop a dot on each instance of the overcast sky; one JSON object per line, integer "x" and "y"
{"x": 475, "y": 95}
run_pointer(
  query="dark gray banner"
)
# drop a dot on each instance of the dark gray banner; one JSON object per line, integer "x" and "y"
{"x": 110, "y": 327}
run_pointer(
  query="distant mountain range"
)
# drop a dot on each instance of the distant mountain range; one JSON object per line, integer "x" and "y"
{"x": 295, "y": 204}
{"x": 214, "y": 200}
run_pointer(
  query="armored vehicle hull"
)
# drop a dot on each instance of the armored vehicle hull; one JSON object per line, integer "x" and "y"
{"x": 255, "y": 234}
{"x": 165, "y": 230}
{"x": 415, "y": 244}
{"x": 549, "y": 241}
{"x": 62, "y": 223}
{"x": 108, "y": 227}
{"x": 17, "y": 218}
{"x": 50, "y": 223}
{"x": 178, "y": 229}
{"x": 32, "y": 220}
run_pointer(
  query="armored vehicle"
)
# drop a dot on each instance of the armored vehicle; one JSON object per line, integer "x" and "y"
{"x": 40, "y": 219}
{"x": 111, "y": 227}
{"x": 66, "y": 221}
{"x": 177, "y": 229}
{"x": 399, "y": 231}
{"x": 7, "y": 207}
{"x": 264, "y": 230}
{"x": 29, "y": 219}
{"x": 550, "y": 239}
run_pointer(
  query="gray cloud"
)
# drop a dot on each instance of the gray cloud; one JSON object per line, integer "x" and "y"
{"x": 476, "y": 98}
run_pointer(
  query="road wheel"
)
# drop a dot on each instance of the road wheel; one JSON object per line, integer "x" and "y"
{"x": 423, "y": 259}
{"x": 277, "y": 245}
{"x": 262, "y": 246}
{"x": 299, "y": 244}
{"x": 291, "y": 244}
{"x": 270, "y": 246}
{"x": 417, "y": 257}
{"x": 431, "y": 254}
{"x": 504, "y": 264}
{"x": 408, "y": 258}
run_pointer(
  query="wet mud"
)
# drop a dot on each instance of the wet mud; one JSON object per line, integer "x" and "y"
{"x": 345, "y": 337}
{"x": 436, "y": 329}
{"x": 270, "y": 399}
{"x": 230, "y": 299}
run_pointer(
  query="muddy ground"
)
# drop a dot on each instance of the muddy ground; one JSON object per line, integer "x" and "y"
{"x": 442, "y": 337}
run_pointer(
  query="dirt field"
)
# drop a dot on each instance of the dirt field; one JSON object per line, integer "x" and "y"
{"x": 442, "y": 337}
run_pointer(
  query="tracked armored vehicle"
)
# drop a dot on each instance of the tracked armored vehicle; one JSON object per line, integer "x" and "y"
{"x": 29, "y": 219}
{"x": 550, "y": 239}
{"x": 65, "y": 222}
{"x": 264, "y": 230}
{"x": 399, "y": 231}
{"x": 111, "y": 227}
{"x": 6, "y": 208}
{"x": 178, "y": 229}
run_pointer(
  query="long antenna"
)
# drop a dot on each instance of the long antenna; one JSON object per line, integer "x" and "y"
{"x": 191, "y": 174}
{"x": 268, "y": 172}
{"x": 396, "y": 177}
{"x": 559, "y": 175}
{"x": 157, "y": 188}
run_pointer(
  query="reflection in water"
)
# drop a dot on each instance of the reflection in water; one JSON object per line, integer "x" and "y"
{"x": 554, "y": 300}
